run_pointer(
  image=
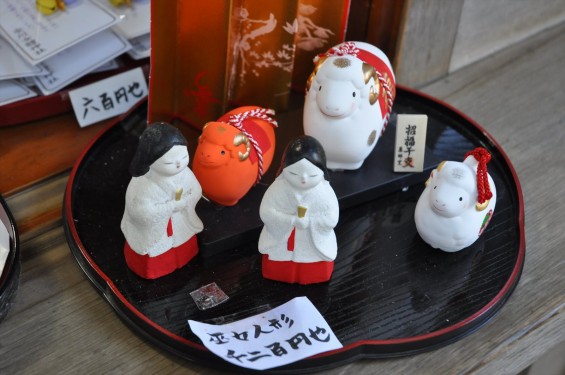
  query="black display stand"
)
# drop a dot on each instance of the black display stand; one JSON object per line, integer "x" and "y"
{"x": 390, "y": 294}
{"x": 229, "y": 227}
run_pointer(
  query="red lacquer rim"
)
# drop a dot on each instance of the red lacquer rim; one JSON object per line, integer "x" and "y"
{"x": 509, "y": 285}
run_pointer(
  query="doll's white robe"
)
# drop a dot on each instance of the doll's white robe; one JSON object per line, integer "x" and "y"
{"x": 278, "y": 211}
{"x": 150, "y": 202}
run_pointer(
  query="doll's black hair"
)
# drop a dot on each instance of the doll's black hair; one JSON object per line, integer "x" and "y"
{"x": 304, "y": 147}
{"x": 154, "y": 142}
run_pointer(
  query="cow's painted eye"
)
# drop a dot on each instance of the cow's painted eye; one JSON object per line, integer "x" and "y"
{"x": 353, "y": 93}
{"x": 320, "y": 88}
{"x": 460, "y": 199}
{"x": 223, "y": 152}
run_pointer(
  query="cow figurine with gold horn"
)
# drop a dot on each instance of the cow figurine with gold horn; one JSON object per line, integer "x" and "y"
{"x": 457, "y": 203}
{"x": 348, "y": 101}
{"x": 234, "y": 152}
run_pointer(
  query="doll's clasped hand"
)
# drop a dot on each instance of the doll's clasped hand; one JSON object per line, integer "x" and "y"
{"x": 180, "y": 204}
{"x": 302, "y": 222}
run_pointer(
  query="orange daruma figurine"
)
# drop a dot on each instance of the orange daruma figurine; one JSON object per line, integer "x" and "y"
{"x": 234, "y": 152}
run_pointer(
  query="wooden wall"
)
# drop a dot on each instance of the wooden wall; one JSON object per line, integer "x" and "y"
{"x": 440, "y": 36}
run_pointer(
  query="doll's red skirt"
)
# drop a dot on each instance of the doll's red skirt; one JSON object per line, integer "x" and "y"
{"x": 161, "y": 265}
{"x": 294, "y": 272}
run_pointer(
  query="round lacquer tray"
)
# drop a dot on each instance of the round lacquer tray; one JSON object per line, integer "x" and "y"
{"x": 390, "y": 294}
{"x": 10, "y": 275}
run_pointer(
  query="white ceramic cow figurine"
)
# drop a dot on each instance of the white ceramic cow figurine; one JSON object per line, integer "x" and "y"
{"x": 457, "y": 203}
{"x": 349, "y": 96}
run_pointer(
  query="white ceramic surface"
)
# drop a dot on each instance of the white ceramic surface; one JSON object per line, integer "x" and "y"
{"x": 347, "y": 105}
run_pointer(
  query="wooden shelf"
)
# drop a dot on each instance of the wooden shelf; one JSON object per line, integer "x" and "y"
{"x": 35, "y": 159}
{"x": 35, "y": 151}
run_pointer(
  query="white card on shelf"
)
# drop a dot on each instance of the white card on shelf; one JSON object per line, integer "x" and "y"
{"x": 109, "y": 97}
{"x": 107, "y": 66}
{"x": 12, "y": 91}
{"x": 135, "y": 18}
{"x": 283, "y": 335}
{"x": 37, "y": 37}
{"x": 12, "y": 65}
{"x": 27, "y": 81}
{"x": 410, "y": 143}
{"x": 140, "y": 47}
{"x": 4, "y": 246}
{"x": 79, "y": 60}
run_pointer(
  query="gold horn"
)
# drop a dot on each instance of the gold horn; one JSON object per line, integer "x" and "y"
{"x": 440, "y": 165}
{"x": 438, "y": 169}
{"x": 240, "y": 139}
{"x": 317, "y": 67}
{"x": 374, "y": 91}
{"x": 369, "y": 72}
{"x": 482, "y": 206}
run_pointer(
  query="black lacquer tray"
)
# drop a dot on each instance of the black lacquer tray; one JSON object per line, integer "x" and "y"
{"x": 390, "y": 294}
{"x": 10, "y": 275}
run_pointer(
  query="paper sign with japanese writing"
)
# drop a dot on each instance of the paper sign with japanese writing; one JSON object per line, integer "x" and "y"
{"x": 36, "y": 36}
{"x": 286, "y": 334}
{"x": 12, "y": 91}
{"x": 109, "y": 97}
{"x": 79, "y": 60}
{"x": 410, "y": 143}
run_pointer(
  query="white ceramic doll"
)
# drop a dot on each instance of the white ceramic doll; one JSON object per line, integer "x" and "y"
{"x": 300, "y": 211}
{"x": 457, "y": 203}
{"x": 348, "y": 101}
{"x": 160, "y": 223}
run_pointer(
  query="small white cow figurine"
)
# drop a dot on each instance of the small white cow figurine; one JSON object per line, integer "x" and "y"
{"x": 457, "y": 203}
{"x": 348, "y": 101}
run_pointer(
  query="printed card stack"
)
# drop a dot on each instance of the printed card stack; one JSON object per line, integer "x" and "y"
{"x": 45, "y": 45}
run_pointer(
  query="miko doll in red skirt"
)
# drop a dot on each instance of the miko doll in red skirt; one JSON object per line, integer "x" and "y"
{"x": 299, "y": 211}
{"x": 160, "y": 223}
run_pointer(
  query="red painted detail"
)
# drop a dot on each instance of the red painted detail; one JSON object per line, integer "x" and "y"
{"x": 161, "y": 265}
{"x": 297, "y": 273}
{"x": 290, "y": 242}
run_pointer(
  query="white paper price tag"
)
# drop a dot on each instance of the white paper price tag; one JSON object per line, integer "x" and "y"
{"x": 109, "y": 97}
{"x": 286, "y": 334}
{"x": 410, "y": 143}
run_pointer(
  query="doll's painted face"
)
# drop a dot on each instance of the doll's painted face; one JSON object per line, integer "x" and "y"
{"x": 303, "y": 175}
{"x": 174, "y": 161}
